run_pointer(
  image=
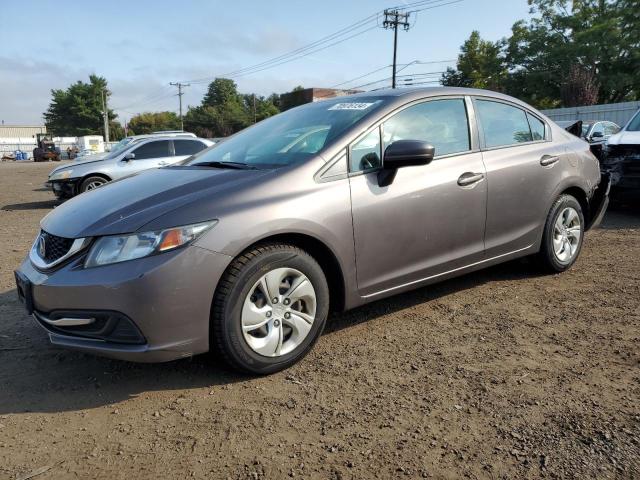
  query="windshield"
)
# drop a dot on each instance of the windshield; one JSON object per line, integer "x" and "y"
{"x": 585, "y": 128}
{"x": 290, "y": 137}
{"x": 634, "y": 124}
{"x": 118, "y": 147}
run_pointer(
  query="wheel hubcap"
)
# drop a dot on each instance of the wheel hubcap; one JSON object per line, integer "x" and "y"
{"x": 278, "y": 312}
{"x": 566, "y": 235}
{"x": 95, "y": 184}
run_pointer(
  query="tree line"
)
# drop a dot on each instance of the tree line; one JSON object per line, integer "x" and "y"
{"x": 569, "y": 53}
{"x": 77, "y": 111}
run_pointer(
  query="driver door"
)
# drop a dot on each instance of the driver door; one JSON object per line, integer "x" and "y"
{"x": 431, "y": 218}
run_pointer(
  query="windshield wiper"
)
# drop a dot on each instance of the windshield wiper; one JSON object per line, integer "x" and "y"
{"x": 233, "y": 165}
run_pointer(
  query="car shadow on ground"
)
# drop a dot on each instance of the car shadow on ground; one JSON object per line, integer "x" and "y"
{"x": 41, "y": 205}
{"x": 38, "y": 377}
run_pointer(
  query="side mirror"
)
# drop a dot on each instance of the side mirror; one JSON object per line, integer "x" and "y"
{"x": 129, "y": 156}
{"x": 404, "y": 153}
{"x": 597, "y": 135}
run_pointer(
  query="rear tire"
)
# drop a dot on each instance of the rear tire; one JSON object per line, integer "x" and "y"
{"x": 92, "y": 182}
{"x": 563, "y": 235}
{"x": 244, "y": 320}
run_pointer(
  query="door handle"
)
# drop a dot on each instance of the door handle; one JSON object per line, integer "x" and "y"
{"x": 548, "y": 160}
{"x": 470, "y": 178}
{"x": 162, "y": 164}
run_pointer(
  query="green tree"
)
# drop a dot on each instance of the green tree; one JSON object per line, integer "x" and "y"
{"x": 221, "y": 92}
{"x": 259, "y": 107}
{"x": 154, "y": 121}
{"x": 598, "y": 38}
{"x": 224, "y": 111}
{"x": 77, "y": 111}
{"x": 203, "y": 120}
{"x": 480, "y": 65}
{"x": 570, "y": 52}
{"x": 116, "y": 131}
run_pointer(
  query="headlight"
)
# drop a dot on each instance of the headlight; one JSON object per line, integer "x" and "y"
{"x": 61, "y": 175}
{"x": 119, "y": 248}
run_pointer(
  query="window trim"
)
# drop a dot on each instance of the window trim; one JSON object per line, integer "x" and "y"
{"x": 472, "y": 127}
{"x": 483, "y": 146}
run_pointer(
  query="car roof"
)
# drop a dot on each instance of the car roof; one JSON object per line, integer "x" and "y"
{"x": 399, "y": 96}
{"x": 164, "y": 134}
{"x": 143, "y": 139}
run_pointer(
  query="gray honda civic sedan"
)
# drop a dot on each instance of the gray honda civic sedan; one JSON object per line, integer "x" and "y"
{"x": 245, "y": 247}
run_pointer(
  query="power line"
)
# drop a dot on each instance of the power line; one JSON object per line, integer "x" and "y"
{"x": 288, "y": 60}
{"x": 158, "y": 94}
{"x": 340, "y": 36}
{"x": 297, "y": 53}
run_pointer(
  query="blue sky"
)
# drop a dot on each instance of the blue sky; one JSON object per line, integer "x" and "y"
{"x": 140, "y": 46}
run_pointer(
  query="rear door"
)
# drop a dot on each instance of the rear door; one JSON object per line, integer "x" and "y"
{"x": 184, "y": 148}
{"x": 523, "y": 170}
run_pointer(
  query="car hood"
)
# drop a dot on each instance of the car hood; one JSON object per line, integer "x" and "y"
{"x": 624, "y": 138}
{"x": 180, "y": 195}
{"x": 89, "y": 158}
{"x": 74, "y": 164}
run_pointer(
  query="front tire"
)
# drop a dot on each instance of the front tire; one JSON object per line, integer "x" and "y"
{"x": 563, "y": 235}
{"x": 269, "y": 309}
{"x": 92, "y": 182}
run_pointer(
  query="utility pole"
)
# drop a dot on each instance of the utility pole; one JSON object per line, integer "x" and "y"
{"x": 254, "y": 108}
{"x": 105, "y": 115}
{"x": 392, "y": 19}
{"x": 180, "y": 93}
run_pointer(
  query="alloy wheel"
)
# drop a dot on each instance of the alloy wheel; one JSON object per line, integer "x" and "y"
{"x": 566, "y": 235}
{"x": 278, "y": 312}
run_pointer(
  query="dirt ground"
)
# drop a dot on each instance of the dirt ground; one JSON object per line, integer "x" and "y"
{"x": 503, "y": 373}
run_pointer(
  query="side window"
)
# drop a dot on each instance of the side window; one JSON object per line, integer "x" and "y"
{"x": 443, "y": 123}
{"x": 157, "y": 149}
{"x": 365, "y": 154}
{"x": 537, "y": 127}
{"x": 187, "y": 147}
{"x": 502, "y": 124}
{"x": 598, "y": 128}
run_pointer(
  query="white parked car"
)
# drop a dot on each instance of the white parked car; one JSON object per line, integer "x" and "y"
{"x": 138, "y": 154}
{"x": 622, "y": 159}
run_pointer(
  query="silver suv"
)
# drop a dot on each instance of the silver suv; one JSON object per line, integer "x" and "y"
{"x": 246, "y": 247}
{"x": 139, "y": 153}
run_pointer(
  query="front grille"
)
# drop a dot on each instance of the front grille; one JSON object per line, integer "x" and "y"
{"x": 54, "y": 247}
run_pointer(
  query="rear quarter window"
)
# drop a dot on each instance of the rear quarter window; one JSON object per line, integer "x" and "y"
{"x": 537, "y": 127}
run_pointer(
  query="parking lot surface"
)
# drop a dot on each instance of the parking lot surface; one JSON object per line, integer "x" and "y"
{"x": 503, "y": 373}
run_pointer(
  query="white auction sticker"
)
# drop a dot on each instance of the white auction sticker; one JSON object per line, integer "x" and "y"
{"x": 350, "y": 106}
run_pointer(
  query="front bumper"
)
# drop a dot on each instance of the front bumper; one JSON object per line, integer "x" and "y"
{"x": 63, "y": 188}
{"x": 165, "y": 299}
{"x": 622, "y": 162}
